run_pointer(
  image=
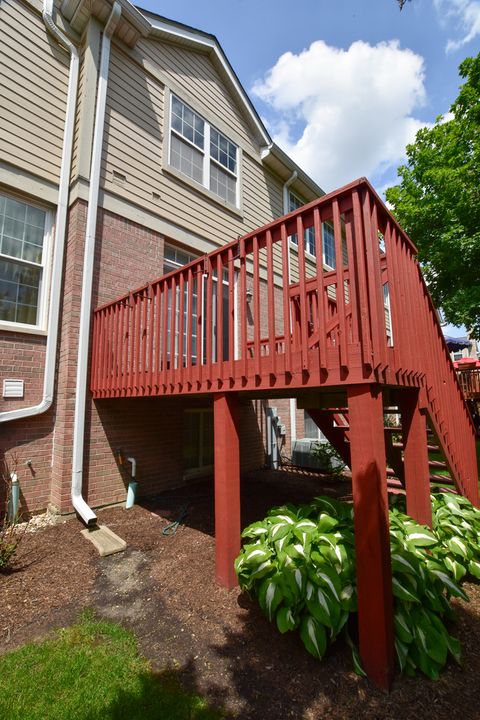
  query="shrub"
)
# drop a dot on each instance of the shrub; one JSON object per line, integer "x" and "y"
{"x": 299, "y": 562}
{"x": 330, "y": 460}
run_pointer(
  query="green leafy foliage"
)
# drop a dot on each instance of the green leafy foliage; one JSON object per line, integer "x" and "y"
{"x": 301, "y": 569}
{"x": 299, "y": 562}
{"x": 329, "y": 458}
{"x": 438, "y": 202}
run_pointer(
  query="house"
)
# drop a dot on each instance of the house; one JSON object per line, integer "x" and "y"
{"x": 138, "y": 183}
{"x": 184, "y": 164}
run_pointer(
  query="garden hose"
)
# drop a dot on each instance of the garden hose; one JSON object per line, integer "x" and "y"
{"x": 172, "y": 527}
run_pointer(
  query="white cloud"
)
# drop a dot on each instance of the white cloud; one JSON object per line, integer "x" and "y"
{"x": 352, "y": 107}
{"x": 463, "y": 16}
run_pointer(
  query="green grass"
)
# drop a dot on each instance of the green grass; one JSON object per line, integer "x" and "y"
{"x": 92, "y": 671}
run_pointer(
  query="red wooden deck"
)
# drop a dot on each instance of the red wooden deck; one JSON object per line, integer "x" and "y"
{"x": 283, "y": 325}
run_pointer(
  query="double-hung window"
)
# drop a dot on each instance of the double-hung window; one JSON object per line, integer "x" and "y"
{"x": 328, "y": 239}
{"x": 23, "y": 263}
{"x": 294, "y": 203}
{"x": 203, "y": 153}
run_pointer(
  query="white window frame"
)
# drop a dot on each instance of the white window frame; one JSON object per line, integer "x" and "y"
{"x": 40, "y": 328}
{"x": 207, "y": 157}
{"x": 294, "y": 244}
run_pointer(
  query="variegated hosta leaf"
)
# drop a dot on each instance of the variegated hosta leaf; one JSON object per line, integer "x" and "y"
{"x": 459, "y": 547}
{"x": 270, "y": 596}
{"x": 286, "y": 620}
{"x": 313, "y": 636}
{"x": 402, "y": 589}
{"x": 255, "y": 530}
{"x": 282, "y": 513}
{"x": 297, "y": 549}
{"x": 326, "y": 523}
{"x": 265, "y": 568}
{"x": 279, "y": 528}
{"x": 450, "y": 586}
{"x": 421, "y": 537}
{"x": 402, "y": 627}
{"x": 293, "y": 581}
{"x": 404, "y": 562}
{"x": 306, "y": 526}
{"x": 454, "y": 648}
{"x": 431, "y": 641}
{"x": 457, "y": 570}
{"x": 323, "y": 606}
{"x": 474, "y": 568}
{"x": 256, "y": 554}
{"x": 329, "y": 578}
{"x": 402, "y": 653}
{"x": 348, "y": 598}
{"x": 434, "y": 600}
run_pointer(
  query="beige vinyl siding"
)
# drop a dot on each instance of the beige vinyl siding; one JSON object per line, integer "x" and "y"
{"x": 134, "y": 145}
{"x": 133, "y": 132}
{"x": 33, "y": 90}
{"x": 195, "y": 74}
{"x": 80, "y": 104}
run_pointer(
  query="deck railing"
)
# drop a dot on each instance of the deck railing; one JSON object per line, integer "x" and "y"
{"x": 279, "y": 313}
{"x": 261, "y": 313}
{"x": 469, "y": 380}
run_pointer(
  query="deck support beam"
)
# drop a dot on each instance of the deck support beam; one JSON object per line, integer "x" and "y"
{"x": 415, "y": 457}
{"x": 372, "y": 541}
{"x": 227, "y": 487}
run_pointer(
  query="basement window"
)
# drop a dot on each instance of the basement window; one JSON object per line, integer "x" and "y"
{"x": 202, "y": 153}
{"x": 24, "y": 260}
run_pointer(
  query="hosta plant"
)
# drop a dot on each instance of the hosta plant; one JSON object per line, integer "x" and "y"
{"x": 421, "y": 587}
{"x": 457, "y": 525}
{"x": 299, "y": 562}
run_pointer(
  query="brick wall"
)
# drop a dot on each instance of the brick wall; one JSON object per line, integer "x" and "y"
{"x": 150, "y": 429}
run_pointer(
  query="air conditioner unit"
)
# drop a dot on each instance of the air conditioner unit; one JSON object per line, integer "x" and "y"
{"x": 302, "y": 455}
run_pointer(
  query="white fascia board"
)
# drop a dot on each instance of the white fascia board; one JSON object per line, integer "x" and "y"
{"x": 210, "y": 43}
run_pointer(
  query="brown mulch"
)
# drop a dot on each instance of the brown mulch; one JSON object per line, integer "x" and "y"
{"x": 216, "y": 640}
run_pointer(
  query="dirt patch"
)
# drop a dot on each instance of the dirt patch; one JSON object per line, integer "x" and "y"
{"x": 217, "y": 641}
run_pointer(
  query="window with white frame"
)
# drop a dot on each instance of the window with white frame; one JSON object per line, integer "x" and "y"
{"x": 328, "y": 237}
{"x": 173, "y": 259}
{"x": 311, "y": 430}
{"x": 294, "y": 202}
{"x": 23, "y": 261}
{"x": 202, "y": 152}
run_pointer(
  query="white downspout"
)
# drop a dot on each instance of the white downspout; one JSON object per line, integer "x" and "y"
{"x": 60, "y": 225}
{"x": 286, "y": 209}
{"x": 81, "y": 507}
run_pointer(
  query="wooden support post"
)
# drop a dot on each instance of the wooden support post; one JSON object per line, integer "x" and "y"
{"x": 372, "y": 541}
{"x": 415, "y": 457}
{"x": 227, "y": 487}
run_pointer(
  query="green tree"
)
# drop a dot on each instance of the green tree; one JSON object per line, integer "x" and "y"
{"x": 438, "y": 202}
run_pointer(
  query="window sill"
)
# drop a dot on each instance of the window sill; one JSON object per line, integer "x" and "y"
{"x": 21, "y": 329}
{"x": 233, "y": 209}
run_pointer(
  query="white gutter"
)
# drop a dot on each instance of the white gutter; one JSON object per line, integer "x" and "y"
{"x": 286, "y": 210}
{"x": 81, "y": 507}
{"x": 60, "y": 225}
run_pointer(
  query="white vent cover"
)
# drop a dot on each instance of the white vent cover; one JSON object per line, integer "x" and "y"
{"x": 13, "y": 388}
